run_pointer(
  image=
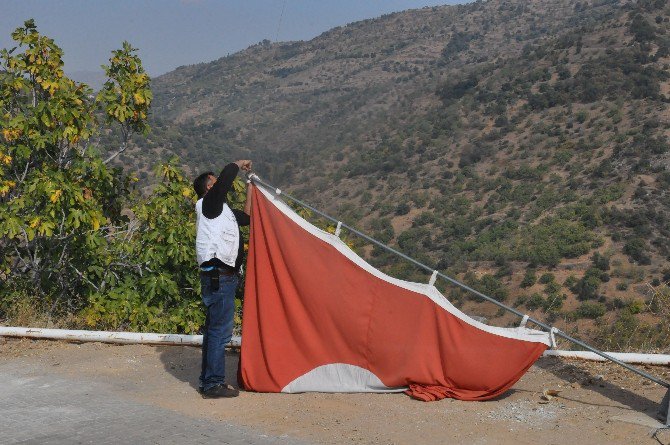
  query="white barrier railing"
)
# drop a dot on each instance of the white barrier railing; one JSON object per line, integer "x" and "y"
{"x": 107, "y": 336}
{"x": 150, "y": 338}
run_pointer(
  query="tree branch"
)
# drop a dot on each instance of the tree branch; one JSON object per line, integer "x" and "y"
{"x": 125, "y": 133}
{"x": 81, "y": 275}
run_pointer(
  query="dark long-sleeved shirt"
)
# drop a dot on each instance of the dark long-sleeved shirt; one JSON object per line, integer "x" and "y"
{"x": 212, "y": 206}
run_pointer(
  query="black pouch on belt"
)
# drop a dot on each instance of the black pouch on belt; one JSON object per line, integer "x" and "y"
{"x": 214, "y": 279}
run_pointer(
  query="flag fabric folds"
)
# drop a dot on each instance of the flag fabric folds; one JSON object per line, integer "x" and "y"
{"x": 317, "y": 317}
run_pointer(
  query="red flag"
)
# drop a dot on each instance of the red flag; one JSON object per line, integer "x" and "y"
{"x": 319, "y": 318}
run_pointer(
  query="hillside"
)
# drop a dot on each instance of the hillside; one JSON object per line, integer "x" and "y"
{"x": 519, "y": 145}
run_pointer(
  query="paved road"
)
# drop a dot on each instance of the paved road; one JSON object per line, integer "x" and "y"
{"x": 37, "y": 407}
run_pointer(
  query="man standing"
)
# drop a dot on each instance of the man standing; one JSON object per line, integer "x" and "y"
{"x": 219, "y": 249}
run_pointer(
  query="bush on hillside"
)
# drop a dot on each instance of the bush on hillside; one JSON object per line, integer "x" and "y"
{"x": 590, "y": 310}
{"x": 529, "y": 278}
{"x": 637, "y": 250}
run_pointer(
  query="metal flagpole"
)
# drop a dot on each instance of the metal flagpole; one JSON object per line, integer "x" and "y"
{"x": 666, "y": 400}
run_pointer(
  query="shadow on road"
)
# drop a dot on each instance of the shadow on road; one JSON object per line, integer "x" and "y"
{"x": 184, "y": 363}
{"x": 575, "y": 374}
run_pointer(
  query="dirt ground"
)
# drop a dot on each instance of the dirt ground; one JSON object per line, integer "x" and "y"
{"x": 598, "y": 403}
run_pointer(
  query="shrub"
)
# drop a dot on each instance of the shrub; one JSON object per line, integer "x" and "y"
{"x": 402, "y": 209}
{"x": 555, "y": 238}
{"x": 535, "y": 301}
{"x": 504, "y": 270}
{"x": 590, "y": 310}
{"x": 554, "y": 302}
{"x": 547, "y": 277}
{"x": 635, "y": 306}
{"x": 410, "y": 239}
{"x": 552, "y": 287}
{"x": 642, "y": 29}
{"x": 459, "y": 41}
{"x": 472, "y": 154}
{"x": 570, "y": 282}
{"x": 600, "y": 261}
{"x": 587, "y": 287}
{"x": 491, "y": 286}
{"x": 581, "y": 116}
{"x": 529, "y": 278}
{"x": 636, "y": 249}
{"x": 452, "y": 91}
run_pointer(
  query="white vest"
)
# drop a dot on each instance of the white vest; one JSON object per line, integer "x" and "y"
{"x": 218, "y": 237}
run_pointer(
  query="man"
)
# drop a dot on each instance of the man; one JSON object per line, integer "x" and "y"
{"x": 219, "y": 249}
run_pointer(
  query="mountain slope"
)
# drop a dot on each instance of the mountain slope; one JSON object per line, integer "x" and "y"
{"x": 503, "y": 141}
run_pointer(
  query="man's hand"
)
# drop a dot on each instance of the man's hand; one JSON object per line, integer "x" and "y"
{"x": 244, "y": 165}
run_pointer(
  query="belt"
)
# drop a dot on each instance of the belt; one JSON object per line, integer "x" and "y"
{"x": 213, "y": 273}
{"x": 212, "y": 270}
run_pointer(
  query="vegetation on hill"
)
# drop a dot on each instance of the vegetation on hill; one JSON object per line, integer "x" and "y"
{"x": 496, "y": 140}
{"x": 519, "y": 146}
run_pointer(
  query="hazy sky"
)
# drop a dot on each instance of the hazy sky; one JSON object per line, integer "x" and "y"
{"x": 170, "y": 33}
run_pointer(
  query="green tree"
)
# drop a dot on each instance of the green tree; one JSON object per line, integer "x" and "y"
{"x": 150, "y": 279}
{"x": 126, "y": 96}
{"x": 74, "y": 238}
{"x": 59, "y": 202}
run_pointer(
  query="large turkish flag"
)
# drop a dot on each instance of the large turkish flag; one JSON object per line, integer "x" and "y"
{"x": 319, "y": 318}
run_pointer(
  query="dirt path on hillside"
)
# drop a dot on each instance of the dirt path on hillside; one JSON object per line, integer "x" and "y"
{"x": 597, "y": 402}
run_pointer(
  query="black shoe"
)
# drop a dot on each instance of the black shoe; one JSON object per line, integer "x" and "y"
{"x": 219, "y": 391}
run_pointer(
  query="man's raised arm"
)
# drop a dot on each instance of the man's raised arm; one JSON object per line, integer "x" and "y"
{"x": 216, "y": 196}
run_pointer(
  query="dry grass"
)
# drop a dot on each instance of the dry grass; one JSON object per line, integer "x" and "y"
{"x": 22, "y": 310}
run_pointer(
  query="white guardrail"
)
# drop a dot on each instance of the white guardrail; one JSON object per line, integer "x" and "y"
{"x": 196, "y": 340}
{"x": 108, "y": 337}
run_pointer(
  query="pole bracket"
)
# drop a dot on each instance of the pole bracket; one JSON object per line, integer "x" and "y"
{"x": 524, "y": 320}
{"x": 433, "y": 277}
{"x": 552, "y": 336}
{"x": 338, "y": 229}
